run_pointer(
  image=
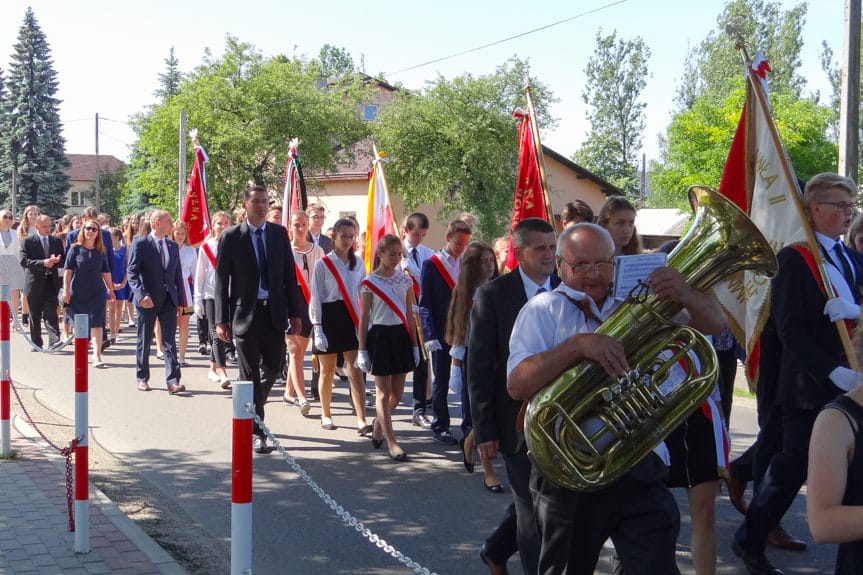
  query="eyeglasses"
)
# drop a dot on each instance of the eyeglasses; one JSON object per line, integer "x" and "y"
{"x": 7, "y": 217}
{"x": 842, "y": 206}
{"x": 584, "y": 268}
{"x": 91, "y": 229}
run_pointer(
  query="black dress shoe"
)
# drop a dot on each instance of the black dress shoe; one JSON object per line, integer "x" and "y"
{"x": 259, "y": 444}
{"x": 493, "y": 568}
{"x": 444, "y": 437}
{"x": 755, "y": 563}
{"x": 467, "y": 464}
{"x": 496, "y": 488}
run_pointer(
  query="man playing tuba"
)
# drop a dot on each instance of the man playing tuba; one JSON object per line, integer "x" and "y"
{"x": 553, "y": 332}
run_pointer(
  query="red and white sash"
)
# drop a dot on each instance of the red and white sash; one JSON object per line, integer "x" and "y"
{"x": 301, "y": 281}
{"x": 444, "y": 271}
{"x": 349, "y": 301}
{"x": 205, "y": 247}
{"x": 379, "y": 289}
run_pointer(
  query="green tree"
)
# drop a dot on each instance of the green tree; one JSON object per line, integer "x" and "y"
{"x": 245, "y": 107}
{"x": 455, "y": 142}
{"x": 616, "y": 76}
{"x": 169, "y": 80}
{"x": 334, "y": 62}
{"x": 111, "y": 186}
{"x": 697, "y": 143}
{"x": 32, "y": 138}
{"x": 714, "y": 68}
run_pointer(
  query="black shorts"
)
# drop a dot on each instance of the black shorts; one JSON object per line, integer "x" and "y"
{"x": 306, "y": 330}
{"x": 693, "y": 452}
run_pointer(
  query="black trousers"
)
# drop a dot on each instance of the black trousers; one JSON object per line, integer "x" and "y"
{"x": 517, "y": 531}
{"x": 637, "y": 512}
{"x": 261, "y": 348}
{"x": 43, "y": 305}
{"x": 441, "y": 361}
{"x": 783, "y": 479}
{"x": 218, "y": 347}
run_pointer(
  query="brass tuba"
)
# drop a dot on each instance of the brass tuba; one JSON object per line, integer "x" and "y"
{"x": 586, "y": 429}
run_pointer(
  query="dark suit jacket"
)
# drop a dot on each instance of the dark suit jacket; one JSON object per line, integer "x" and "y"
{"x": 495, "y": 307}
{"x": 237, "y": 278}
{"x": 435, "y": 296}
{"x": 324, "y": 241}
{"x": 148, "y": 277}
{"x": 39, "y": 280}
{"x": 811, "y": 348}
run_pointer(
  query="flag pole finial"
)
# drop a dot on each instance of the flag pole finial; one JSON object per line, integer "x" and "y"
{"x": 193, "y": 134}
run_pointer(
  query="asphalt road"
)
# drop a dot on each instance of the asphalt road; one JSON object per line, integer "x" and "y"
{"x": 428, "y": 508}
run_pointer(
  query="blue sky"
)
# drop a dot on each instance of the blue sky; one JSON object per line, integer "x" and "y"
{"x": 108, "y": 54}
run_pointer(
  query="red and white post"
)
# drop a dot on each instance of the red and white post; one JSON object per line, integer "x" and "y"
{"x": 5, "y": 378}
{"x": 241, "y": 480}
{"x": 82, "y": 464}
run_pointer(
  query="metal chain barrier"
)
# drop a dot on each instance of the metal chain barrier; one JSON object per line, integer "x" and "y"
{"x": 349, "y": 519}
{"x": 66, "y": 452}
{"x": 55, "y": 348}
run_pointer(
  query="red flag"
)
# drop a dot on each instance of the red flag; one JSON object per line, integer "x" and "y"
{"x": 734, "y": 183}
{"x": 529, "y": 193}
{"x": 294, "y": 197}
{"x": 194, "y": 213}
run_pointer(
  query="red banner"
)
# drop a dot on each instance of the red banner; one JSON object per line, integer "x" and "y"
{"x": 195, "y": 214}
{"x": 529, "y": 196}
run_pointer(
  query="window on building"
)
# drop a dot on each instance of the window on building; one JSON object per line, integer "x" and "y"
{"x": 76, "y": 197}
{"x": 370, "y": 112}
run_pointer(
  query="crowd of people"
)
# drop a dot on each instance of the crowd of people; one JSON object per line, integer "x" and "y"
{"x": 462, "y": 323}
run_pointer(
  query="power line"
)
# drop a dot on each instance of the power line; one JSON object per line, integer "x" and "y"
{"x": 495, "y": 43}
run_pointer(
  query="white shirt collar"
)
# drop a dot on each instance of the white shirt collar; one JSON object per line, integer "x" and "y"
{"x": 530, "y": 286}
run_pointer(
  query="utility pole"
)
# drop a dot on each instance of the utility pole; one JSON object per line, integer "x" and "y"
{"x": 98, "y": 189}
{"x": 181, "y": 183}
{"x": 642, "y": 181}
{"x": 849, "y": 108}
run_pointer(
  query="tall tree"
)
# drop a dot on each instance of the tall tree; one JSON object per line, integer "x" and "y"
{"x": 246, "y": 108}
{"x": 616, "y": 76}
{"x": 334, "y": 62}
{"x": 713, "y": 68}
{"x": 169, "y": 80}
{"x": 455, "y": 142}
{"x": 33, "y": 135}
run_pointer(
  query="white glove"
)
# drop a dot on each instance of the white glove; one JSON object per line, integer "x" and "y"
{"x": 455, "y": 379}
{"x": 845, "y": 379}
{"x": 838, "y": 308}
{"x": 364, "y": 362}
{"x": 199, "y": 309}
{"x": 432, "y": 345}
{"x": 320, "y": 339}
{"x": 416, "y": 309}
{"x": 416, "y": 356}
{"x": 457, "y": 352}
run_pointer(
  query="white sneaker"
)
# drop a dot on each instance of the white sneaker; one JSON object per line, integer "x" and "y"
{"x": 213, "y": 376}
{"x": 305, "y": 407}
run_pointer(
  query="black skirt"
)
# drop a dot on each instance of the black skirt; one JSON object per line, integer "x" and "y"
{"x": 693, "y": 452}
{"x": 390, "y": 350}
{"x": 338, "y": 328}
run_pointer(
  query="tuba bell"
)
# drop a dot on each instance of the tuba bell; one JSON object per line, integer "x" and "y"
{"x": 586, "y": 429}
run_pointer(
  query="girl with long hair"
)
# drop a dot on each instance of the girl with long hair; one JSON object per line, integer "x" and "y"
{"x": 478, "y": 265}
{"x": 335, "y": 319}
{"x": 617, "y": 215}
{"x": 205, "y": 297}
{"x": 387, "y": 341}
{"x": 87, "y": 282}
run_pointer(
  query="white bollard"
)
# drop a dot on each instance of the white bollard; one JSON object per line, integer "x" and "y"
{"x": 241, "y": 480}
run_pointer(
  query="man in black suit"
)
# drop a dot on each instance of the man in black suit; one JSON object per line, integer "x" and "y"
{"x": 813, "y": 368}
{"x": 316, "y": 223}
{"x": 157, "y": 289}
{"x": 255, "y": 277}
{"x": 41, "y": 255}
{"x": 494, "y": 412}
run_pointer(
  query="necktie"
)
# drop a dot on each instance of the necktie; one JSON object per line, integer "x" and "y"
{"x": 540, "y": 290}
{"x": 163, "y": 253}
{"x": 45, "y": 247}
{"x": 415, "y": 256}
{"x": 846, "y": 268}
{"x": 263, "y": 270}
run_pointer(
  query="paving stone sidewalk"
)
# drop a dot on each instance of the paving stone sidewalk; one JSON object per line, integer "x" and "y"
{"x": 34, "y": 525}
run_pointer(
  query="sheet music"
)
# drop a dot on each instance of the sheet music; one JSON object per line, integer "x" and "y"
{"x": 628, "y": 270}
